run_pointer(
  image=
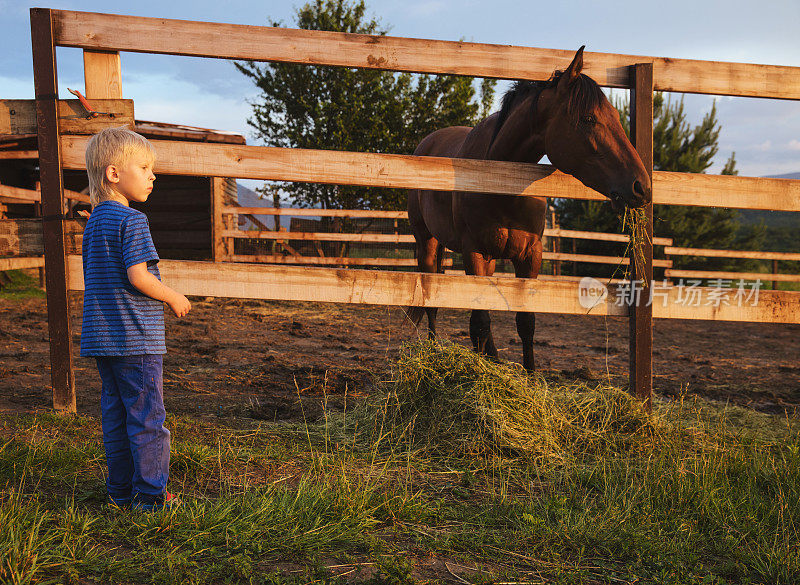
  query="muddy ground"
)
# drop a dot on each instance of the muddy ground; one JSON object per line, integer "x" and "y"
{"x": 265, "y": 360}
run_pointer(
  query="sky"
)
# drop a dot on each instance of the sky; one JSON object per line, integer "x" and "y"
{"x": 765, "y": 134}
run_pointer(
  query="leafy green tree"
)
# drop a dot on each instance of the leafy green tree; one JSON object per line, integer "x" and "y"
{"x": 677, "y": 146}
{"x": 362, "y": 110}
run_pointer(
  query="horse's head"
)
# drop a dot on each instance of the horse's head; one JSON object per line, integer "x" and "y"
{"x": 583, "y": 137}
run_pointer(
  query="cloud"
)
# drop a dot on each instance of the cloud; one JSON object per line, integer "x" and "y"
{"x": 794, "y": 144}
{"x": 764, "y": 146}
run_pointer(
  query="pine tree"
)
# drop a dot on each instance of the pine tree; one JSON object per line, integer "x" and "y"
{"x": 679, "y": 147}
{"x": 338, "y": 108}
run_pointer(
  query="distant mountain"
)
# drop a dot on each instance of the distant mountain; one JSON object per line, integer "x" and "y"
{"x": 249, "y": 198}
{"x": 786, "y": 176}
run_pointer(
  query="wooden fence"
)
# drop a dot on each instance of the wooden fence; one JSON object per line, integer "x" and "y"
{"x": 292, "y": 257}
{"x": 102, "y": 36}
{"x": 282, "y": 236}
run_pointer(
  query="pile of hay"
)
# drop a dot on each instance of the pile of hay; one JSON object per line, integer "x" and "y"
{"x": 447, "y": 399}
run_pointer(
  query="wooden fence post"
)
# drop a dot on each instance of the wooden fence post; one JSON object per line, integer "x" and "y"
{"x": 45, "y": 79}
{"x": 641, "y": 312}
{"x": 774, "y": 271}
{"x": 219, "y": 249}
{"x": 102, "y": 74}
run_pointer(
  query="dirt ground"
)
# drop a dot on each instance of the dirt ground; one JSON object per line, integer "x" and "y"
{"x": 279, "y": 360}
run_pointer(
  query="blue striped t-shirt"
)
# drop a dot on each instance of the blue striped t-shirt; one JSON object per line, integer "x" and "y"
{"x": 117, "y": 319}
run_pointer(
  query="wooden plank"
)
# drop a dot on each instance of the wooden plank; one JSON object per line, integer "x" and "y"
{"x": 328, "y": 261}
{"x": 379, "y": 213}
{"x": 19, "y": 154}
{"x": 372, "y": 287}
{"x": 218, "y": 244}
{"x": 258, "y": 43}
{"x": 318, "y": 236}
{"x": 45, "y": 80}
{"x": 730, "y": 191}
{"x": 184, "y": 132}
{"x": 405, "y": 238}
{"x": 21, "y": 195}
{"x": 14, "y": 201}
{"x": 21, "y": 237}
{"x": 709, "y": 253}
{"x": 18, "y": 263}
{"x": 711, "y": 274}
{"x": 378, "y": 287}
{"x": 442, "y": 174}
{"x": 32, "y": 196}
{"x": 366, "y": 169}
{"x": 556, "y": 277}
{"x": 304, "y": 212}
{"x": 273, "y": 258}
{"x": 767, "y": 307}
{"x": 641, "y": 314}
{"x": 19, "y": 116}
{"x": 102, "y": 72}
{"x": 593, "y": 259}
{"x": 601, "y": 236}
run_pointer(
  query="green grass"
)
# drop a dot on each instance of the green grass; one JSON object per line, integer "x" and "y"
{"x": 697, "y": 493}
{"x": 21, "y": 285}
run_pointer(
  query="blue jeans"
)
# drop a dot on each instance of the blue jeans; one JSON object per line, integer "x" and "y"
{"x": 136, "y": 442}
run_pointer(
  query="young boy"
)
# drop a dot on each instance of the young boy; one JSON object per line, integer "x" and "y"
{"x": 123, "y": 319}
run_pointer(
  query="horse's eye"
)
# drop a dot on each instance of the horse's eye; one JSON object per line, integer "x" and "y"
{"x": 589, "y": 120}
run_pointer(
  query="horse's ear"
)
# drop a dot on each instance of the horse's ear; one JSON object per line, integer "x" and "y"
{"x": 573, "y": 71}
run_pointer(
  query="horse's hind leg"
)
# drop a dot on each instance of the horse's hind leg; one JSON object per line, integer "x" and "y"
{"x": 480, "y": 323}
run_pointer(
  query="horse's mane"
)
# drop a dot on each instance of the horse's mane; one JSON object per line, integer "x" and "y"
{"x": 584, "y": 96}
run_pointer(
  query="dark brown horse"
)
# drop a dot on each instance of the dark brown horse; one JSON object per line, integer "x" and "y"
{"x": 567, "y": 118}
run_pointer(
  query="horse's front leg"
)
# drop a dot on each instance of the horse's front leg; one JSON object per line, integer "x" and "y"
{"x": 480, "y": 323}
{"x": 528, "y": 267}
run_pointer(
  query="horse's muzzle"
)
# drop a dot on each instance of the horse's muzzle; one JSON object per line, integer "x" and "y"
{"x": 638, "y": 196}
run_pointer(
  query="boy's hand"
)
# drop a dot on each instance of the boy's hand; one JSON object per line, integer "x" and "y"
{"x": 149, "y": 285}
{"x": 180, "y": 305}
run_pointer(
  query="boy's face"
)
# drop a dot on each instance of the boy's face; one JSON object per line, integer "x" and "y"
{"x": 134, "y": 179}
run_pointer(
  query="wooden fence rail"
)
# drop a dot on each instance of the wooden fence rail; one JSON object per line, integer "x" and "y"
{"x": 16, "y": 195}
{"x": 382, "y": 214}
{"x": 752, "y": 254}
{"x": 441, "y": 174}
{"x": 106, "y": 32}
{"x": 714, "y": 275}
{"x": 20, "y": 262}
{"x": 379, "y": 287}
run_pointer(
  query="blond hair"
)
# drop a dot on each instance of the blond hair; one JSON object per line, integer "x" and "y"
{"x": 112, "y": 146}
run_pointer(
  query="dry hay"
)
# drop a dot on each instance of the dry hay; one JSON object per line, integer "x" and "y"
{"x": 446, "y": 399}
{"x": 634, "y": 221}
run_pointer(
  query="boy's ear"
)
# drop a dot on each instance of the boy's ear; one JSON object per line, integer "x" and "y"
{"x": 112, "y": 174}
